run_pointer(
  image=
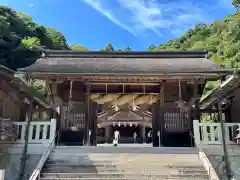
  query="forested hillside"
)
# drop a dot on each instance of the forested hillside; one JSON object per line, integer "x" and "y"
{"x": 221, "y": 39}
{"x": 21, "y": 39}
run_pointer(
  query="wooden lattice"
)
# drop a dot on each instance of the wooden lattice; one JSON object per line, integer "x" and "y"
{"x": 176, "y": 120}
{"x": 74, "y": 116}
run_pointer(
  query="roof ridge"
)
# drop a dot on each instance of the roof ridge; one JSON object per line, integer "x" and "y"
{"x": 124, "y": 54}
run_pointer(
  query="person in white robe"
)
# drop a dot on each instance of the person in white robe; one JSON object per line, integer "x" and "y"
{"x": 116, "y": 137}
{"x": 134, "y": 137}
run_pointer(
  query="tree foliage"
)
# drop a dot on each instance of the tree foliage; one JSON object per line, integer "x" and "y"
{"x": 236, "y": 4}
{"x": 77, "y": 47}
{"x": 221, "y": 40}
{"x": 109, "y": 47}
{"x": 21, "y": 39}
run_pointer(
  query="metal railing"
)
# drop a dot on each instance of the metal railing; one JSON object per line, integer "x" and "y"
{"x": 36, "y": 173}
{"x": 202, "y": 156}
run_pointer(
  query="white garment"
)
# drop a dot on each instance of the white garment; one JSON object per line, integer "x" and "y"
{"x": 149, "y": 135}
{"x": 135, "y": 135}
{"x": 116, "y": 135}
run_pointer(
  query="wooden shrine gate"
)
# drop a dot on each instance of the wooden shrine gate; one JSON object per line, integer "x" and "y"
{"x": 175, "y": 126}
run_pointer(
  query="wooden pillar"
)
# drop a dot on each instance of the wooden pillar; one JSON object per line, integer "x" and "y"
{"x": 197, "y": 108}
{"x": 155, "y": 123}
{"x": 87, "y": 115}
{"x": 160, "y": 122}
{"x": 54, "y": 93}
{"x": 93, "y": 123}
{"x": 193, "y": 113}
{"x": 107, "y": 133}
{"x": 143, "y": 133}
{"x": 158, "y": 118}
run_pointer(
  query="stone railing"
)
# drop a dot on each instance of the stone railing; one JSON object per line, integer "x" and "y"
{"x": 210, "y": 133}
{"x": 39, "y": 132}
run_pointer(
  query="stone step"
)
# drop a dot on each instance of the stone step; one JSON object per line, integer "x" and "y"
{"x": 129, "y": 150}
{"x": 122, "y": 165}
{"x": 135, "y": 163}
{"x": 156, "y": 158}
{"x": 118, "y": 175}
{"x": 121, "y": 170}
{"x": 102, "y": 165}
{"x": 126, "y": 163}
{"x": 127, "y": 178}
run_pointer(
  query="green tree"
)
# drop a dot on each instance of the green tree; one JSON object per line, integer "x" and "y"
{"x": 77, "y": 47}
{"x": 59, "y": 41}
{"x": 151, "y": 47}
{"x": 21, "y": 39}
{"x": 236, "y": 4}
{"x": 109, "y": 47}
{"x": 127, "y": 49}
{"x": 31, "y": 43}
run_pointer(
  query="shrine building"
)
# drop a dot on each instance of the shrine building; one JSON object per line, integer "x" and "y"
{"x": 97, "y": 92}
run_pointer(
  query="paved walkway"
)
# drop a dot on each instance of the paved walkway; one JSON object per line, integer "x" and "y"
{"x": 126, "y": 145}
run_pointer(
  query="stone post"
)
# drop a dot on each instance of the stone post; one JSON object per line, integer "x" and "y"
{"x": 196, "y": 131}
{"x": 2, "y": 174}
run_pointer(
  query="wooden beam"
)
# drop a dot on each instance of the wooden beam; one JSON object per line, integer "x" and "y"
{"x": 137, "y": 93}
{"x": 126, "y": 78}
{"x": 125, "y": 83}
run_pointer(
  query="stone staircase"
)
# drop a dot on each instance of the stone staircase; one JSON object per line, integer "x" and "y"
{"x": 129, "y": 163}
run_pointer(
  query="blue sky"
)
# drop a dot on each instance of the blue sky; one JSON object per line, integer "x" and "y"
{"x": 133, "y": 23}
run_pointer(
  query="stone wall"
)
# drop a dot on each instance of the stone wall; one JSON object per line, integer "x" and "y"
{"x": 11, "y": 163}
{"x": 218, "y": 164}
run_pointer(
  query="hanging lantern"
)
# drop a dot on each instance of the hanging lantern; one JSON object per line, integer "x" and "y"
{"x": 130, "y": 124}
{"x": 119, "y": 124}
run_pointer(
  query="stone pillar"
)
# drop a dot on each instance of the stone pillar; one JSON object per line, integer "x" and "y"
{"x": 107, "y": 133}
{"x": 143, "y": 133}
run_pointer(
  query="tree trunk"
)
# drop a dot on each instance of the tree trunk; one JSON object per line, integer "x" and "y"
{"x": 25, "y": 148}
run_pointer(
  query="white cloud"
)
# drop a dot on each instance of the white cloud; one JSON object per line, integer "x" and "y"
{"x": 31, "y": 5}
{"x": 96, "y": 4}
{"x": 137, "y": 16}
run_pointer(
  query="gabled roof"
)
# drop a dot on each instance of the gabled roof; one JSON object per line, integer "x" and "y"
{"x": 220, "y": 92}
{"x": 135, "y": 63}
